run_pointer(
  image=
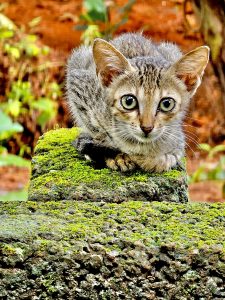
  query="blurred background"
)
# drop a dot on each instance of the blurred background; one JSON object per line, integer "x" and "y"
{"x": 36, "y": 38}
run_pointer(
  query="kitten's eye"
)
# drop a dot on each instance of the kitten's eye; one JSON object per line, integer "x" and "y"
{"x": 129, "y": 102}
{"x": 166, "y": 104}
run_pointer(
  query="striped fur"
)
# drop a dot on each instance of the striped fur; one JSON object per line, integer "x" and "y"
{"x": 133, "y": 64}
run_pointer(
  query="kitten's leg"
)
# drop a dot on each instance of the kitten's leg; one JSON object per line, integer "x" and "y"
{"x": 159, "y": 164}
{"x": 121, "y": 162}
{"x": 166, "y": 162}
{"x": 86, "y": 146}
{"x": 103, "y": 156}
{"x": 83, "y": 143}
{"x": 112, "y": 158}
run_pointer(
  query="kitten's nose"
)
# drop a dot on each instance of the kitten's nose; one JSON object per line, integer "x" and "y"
{"x": 147, "y": 129}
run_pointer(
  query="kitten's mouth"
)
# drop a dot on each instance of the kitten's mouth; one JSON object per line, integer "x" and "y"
{"x": 150, "y": 138}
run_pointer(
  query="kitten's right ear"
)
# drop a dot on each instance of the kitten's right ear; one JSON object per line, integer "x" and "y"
{"x": 191, "y": 66}
{"x": 109, "y": 61}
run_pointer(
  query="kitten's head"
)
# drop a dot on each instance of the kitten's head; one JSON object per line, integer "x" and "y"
{"x": 148, "y": 97}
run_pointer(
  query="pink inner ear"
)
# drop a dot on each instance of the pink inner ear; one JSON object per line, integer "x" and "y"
{"x": 189, "y": 80}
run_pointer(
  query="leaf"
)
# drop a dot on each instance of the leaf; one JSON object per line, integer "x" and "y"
{"x": 47, "y": 109}
{"x": 96, "y": 10}
{"x": 5, "y": 34}
{"x": 127, "y": 7}
{"x": 21, "y": 91}
{"x": 222, "y": 161}
{"x": 7, "y": 127}
{"x": 6, "y": 23}
{"x": 90, "y": 34}
{"x": 13, "y": 160}
{"x": 216, "y": 149}
{"x": 219, "y": 174}
{"x": 36, "y": 21}
{"x": 30, "y": 38}
{"x": 3, "y": 150}
{"x": 21, "y": 195}
{"x": 54, "y": 90}
{"x": 32, "y": 50}
{"x": 223, "y": 190}
{"x": 199, "y": 175}
{"x": 43, "y": 104}
{"x": 204, "y": 147}
{"x": 80, "y": 27}
{"x": 13, "y": 107}
{"x": 45, "y": 50}
{"x": 87, "y": 18}
{"x": 43, "y": 119}
{"x": 97, "y": 5}
{"x": 13, "y": 51}
{"x": 203, "y": 176}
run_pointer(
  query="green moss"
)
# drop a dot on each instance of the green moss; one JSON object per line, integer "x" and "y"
{"x": 172, "y": 174}
{"x": 192, "y": 225}
{"x": 60, "y": 144}
{"x": 63, "y": 250}
{"x": 60, "y": 173}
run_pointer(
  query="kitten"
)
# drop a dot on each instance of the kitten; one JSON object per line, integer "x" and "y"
{"x": 130, "y": 96}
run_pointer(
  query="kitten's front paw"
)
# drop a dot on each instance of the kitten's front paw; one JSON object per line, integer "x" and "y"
{"x": 165, "y": 163}
{"x": 121, "y": 162}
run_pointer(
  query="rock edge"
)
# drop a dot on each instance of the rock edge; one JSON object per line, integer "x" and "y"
{"x": 59, "y": 173}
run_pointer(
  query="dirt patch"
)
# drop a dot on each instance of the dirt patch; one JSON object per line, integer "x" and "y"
{"x": 55, "y": 29}
{"x": 13, "y": 178}
{"x": 161, "y": 20}
{"x": 206, "y": 191}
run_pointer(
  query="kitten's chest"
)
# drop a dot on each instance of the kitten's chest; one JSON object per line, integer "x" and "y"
{"x": 151, "y": 149}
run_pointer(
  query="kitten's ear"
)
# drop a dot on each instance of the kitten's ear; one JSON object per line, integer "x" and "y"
{"x": 191, "y": 66}
{"x": 109, "y": 61}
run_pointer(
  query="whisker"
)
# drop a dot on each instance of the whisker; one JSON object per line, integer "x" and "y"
{"x": 198, "y": 120}
{"x": 188, "y": 125}
{"x": 192, "y": 140}
{"x": 178, "y": 127}
{"x": 188, "y": 133}
{"x": 186, "y": 144}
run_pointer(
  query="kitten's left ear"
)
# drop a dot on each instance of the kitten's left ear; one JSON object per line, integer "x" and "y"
{"x": 191, "y": 66}
{"x": 109, "y": 61}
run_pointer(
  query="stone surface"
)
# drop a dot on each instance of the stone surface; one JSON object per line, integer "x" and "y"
{"x": 59, "y": 173}
{"x": 132, "y": 250}
{"x": 115, "y": 242}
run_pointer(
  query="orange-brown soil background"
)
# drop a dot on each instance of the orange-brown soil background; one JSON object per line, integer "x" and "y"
{"x": 160, "y": 20}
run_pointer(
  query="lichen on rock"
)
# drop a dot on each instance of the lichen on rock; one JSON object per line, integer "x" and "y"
{"x": 115, "y": 241}
{"x": 59, "y": 173}
{"x": 131, "y": 250}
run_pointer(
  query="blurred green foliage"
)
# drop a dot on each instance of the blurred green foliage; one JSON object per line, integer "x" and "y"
{"x": 211, "y": 169}
{"x": 96, "y": 19}
{"x": 96, "y": 11}
{"x": 28, "y": 98}
{"x": 26, "y": 46}
{"x": 21, "y": 100}
{"x": 20, "y": 195}
{"x": 8, "y": 129}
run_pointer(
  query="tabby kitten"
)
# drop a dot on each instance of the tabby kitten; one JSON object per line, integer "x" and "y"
{"x": 130, "y": 96}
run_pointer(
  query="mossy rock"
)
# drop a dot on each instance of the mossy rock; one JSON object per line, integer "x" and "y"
{"x": 132, "y": 250}
{"x": 60, "y": 173}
